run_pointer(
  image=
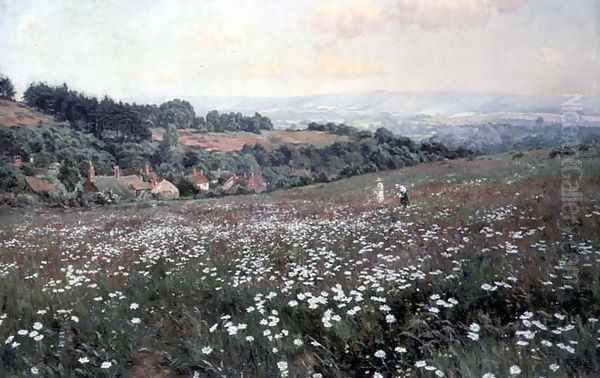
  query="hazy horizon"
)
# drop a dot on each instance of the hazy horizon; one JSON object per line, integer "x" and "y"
{"x": 270, "y": 49}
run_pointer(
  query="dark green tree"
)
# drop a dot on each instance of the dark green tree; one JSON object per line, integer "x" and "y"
{"x": 69, "y": 174}
{"x": 7, "y": 90}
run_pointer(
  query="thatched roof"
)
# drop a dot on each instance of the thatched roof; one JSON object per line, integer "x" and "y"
{"x": 135, "y": 182}
{"x": 166, "y": 190}
{"x": 39, "y": 186}
{"x": 111, "y": 184}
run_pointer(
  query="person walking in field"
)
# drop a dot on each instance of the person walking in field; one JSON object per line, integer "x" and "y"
{"x": 403, "y": 195}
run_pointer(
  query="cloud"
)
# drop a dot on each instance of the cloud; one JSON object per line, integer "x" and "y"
{"x": 354, "y": 19}
{"x": 348, "y": 20}
{"x": 450, "y": 14}
{"x": 333, "y": 65}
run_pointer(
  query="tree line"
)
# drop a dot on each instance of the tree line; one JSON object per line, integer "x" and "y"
{"x": 114, "y": 120}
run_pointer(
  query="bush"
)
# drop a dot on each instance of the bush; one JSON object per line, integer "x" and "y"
{"x": 8, "y": 178}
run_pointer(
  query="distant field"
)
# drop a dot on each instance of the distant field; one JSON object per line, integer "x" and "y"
{"x": 227, "y": 142}
{"x": 13, "y": 114}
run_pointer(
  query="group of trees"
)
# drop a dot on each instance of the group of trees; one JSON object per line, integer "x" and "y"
{"x": 114, "y": 120}
{"x": 106, "y": 119}
{"x": 223, "y": 122}
{"x": 365, "y": 152}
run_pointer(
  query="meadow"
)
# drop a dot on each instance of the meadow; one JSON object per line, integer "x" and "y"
{"x": 477, "y": 277}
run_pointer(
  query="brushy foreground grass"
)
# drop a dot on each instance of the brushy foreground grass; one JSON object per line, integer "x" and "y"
{"x": 469, "y": 281}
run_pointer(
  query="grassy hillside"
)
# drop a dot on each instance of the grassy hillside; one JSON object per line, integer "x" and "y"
{"x": 14, "y": 114}
{"x": 317, "y": 281}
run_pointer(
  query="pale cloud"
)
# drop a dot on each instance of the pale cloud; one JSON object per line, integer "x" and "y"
{"x": 552, "y": 56}
{"x": 348, "y": 19}
{"x": 332, "y": 65}
{"x": 353, "y": 19}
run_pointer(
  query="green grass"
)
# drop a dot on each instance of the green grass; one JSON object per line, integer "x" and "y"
{"x": 187, "y": 269}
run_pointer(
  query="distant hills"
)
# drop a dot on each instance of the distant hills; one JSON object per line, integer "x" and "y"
{"x": 388, "y": 108}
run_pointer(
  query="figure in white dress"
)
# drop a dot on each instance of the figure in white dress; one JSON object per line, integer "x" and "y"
{"x": 379, "y": 191}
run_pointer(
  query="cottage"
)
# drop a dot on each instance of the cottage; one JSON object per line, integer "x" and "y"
{"x": 165, "y": 190}
{"x": 135, "y": 183}
{"x": 39, "y": 186}
{"x": 125, "y": 187}
{"x": 199, "y": 181}
{"x": 256, "y": 183}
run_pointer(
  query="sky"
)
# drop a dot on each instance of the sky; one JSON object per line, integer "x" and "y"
{"x": 140, "y": 49}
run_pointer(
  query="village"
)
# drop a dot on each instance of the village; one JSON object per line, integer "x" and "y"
{"x": 143, "y": 184}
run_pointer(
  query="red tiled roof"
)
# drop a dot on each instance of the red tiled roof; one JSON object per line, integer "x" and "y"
{"x": 197, "y": 179}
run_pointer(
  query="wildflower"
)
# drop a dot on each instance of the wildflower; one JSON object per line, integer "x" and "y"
{"x": 473, "y": 336}
{"x": 380, "y": 354}
{"x": 400, "y": 349}
{"x": 389, "y": 318}
{"x": 420, "y": 364}
{"x": 34, "y": 370}
{"x": 488, "y": 375}
{"x": 207, "y": 350}
{"x": 37, "y": 326}
{"x": 293, "y": 303}
{"x": 515, "y": 370}
{"x": 249, "y": 339}
{"x": 134, "y": 306}
{"x": 136, "y": 320}
{"x": 83, "y": 360}
{"x": 298, "y": 342}
{"x": 377, "y": 375}
{"x": 283, "y": 368}
{"x": 38, "y": 337}
{"x": 106, "y": 365}
{"x": 554, "y": 367}
{"x": 474, "y": 327}
{"x": 75, "y": 319}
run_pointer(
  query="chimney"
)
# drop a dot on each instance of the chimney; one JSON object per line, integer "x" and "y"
{"x": 91, "y": 171}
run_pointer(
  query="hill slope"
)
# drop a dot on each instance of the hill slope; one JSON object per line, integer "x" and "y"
{"x": 13, "y": 114}
{"x": 468, "y": 280}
